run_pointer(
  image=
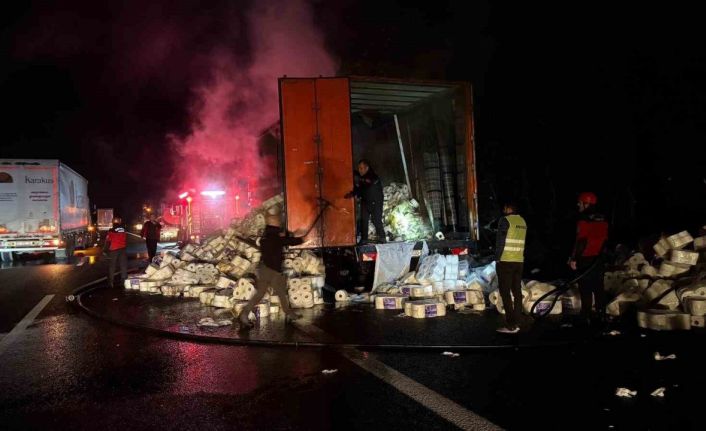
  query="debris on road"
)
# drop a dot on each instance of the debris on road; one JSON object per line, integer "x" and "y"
{"x": 333, "y": 371}
{"x": 659, "y": 357}
{"x": 451, "y": 354}
{"x": 614, "y": 333}
{"x": 659, "y": 392}
{"x": 625, "y": 393}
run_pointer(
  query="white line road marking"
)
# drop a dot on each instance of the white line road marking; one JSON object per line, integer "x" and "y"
{"x": 24, "y": 323}
{"x": 437, "y": 403}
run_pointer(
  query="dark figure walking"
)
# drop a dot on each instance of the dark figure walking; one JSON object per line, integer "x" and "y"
{"x": 115, "y": 247}
{"x": 510, "y": 256}
{"x": 591, "y": 235}
{"x": 269, "y": 271}
{"x": 150, "y": 232}
{"x": 368, "y": 188}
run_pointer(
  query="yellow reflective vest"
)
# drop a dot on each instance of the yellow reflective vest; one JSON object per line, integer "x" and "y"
{"x": 514, "y": 246}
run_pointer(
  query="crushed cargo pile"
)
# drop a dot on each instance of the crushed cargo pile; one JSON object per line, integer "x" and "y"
{"x": 400, "y": 215}
{"x": 220, "y": 272}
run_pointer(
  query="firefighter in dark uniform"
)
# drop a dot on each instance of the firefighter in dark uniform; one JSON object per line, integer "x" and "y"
{"x": 151, "y": 230}
{"x": 368, "y": 188}
{"x": 591, "y": 236}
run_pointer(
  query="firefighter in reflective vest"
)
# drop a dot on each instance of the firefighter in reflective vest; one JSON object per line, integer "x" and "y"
{"x": 588, "y": 256}
{"x": 510, "y": 257}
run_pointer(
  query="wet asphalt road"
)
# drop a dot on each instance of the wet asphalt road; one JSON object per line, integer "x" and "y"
{"x": 69, "y": 371}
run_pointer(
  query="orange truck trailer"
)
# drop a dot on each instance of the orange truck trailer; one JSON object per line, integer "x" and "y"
{"x": 418, "y": 133}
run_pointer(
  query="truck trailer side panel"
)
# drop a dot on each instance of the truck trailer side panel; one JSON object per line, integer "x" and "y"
{"x": 317, "y": 156}
{"x": 28, "y": 198}
{"x": 73, "y": 200}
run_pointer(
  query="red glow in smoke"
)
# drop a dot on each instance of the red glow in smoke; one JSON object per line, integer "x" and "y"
{"x": 240, "y": 100}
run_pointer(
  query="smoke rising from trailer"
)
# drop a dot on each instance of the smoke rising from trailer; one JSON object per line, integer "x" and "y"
{"x": 239, "y": 98}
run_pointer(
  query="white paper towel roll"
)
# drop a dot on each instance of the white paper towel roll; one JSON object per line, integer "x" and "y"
{"x": 341, "y": 296}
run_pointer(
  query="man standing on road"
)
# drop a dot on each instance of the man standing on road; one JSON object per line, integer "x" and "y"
{"x": 510, "y": 256}
{"x": 116, "y": 248}
{"x": 150, "y": 233}
{"x": 591, "y": 235}
{"x": 269, "y": 271}
{"x": 368, "y": 188}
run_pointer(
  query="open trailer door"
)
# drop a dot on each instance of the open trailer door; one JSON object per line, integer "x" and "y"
{"x": 318, "y": 159}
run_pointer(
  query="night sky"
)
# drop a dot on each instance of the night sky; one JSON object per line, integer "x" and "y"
{"x": 568, "y": 96}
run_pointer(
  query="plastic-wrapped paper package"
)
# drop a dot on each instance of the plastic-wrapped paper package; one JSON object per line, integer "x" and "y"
{"x": 684, "y": 257}
{"x": 451, "y": 272}
{"x": 390, "y": 302}
{"x": 133, "y": 281}
{"x": 535, "y": 290}
{"x": 649, "y": 270}
{"x": 432, "y": 268}
{"x": 225, "y": 282}
{"x": 670, "y": 269}
{"x": 195, "y": 291}
{"x": 164, "y": 273}
{"x": 301, "y": 299}
{"x": 463, "y": 269}
{"x": 663, "y": 320}
{"x": 487, "y": 273}
{"x": 680, "y": 240}
{"x": 149, "y": 285}
{"x": 167, "y": 259}
{"x": 172, "y": 289}
{"x": 409, "y": 278}
{"x": 422, "y": 291}
{"x": 425, "y": 309}
{"x": 206, "y": 297}
{"x": 662, "y": 247}
{"x": 543, "y": 306}
{"x": 406, "y": 290}
{"x": 223, "y": 298}
{"x": 151, "y": 269}
{"x": 459, "y": 297}
{"x": 658, "y": 289}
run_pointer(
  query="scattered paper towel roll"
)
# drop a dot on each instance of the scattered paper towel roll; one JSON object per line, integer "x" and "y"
{"x": 294, "y": 283}
{"x": 425, "y": 309}
{"x": 341, "y": 296}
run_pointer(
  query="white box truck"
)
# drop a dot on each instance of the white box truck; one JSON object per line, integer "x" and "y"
{"x": 43, "y": 207}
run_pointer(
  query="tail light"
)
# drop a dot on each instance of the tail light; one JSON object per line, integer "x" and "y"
{"x": 370, "y": 257}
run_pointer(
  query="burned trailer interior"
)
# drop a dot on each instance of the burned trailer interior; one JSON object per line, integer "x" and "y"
{"x": 414, "y": 133}
{"x": 420, "y": 134}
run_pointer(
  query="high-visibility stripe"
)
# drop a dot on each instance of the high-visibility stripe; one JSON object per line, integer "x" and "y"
{"x": 514, "y": 249}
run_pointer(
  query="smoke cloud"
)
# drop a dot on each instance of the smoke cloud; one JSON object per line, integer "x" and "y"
{"x": 239, "y": 99}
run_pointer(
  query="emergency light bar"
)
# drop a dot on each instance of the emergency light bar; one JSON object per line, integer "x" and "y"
{"x": 213, "y": 193}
